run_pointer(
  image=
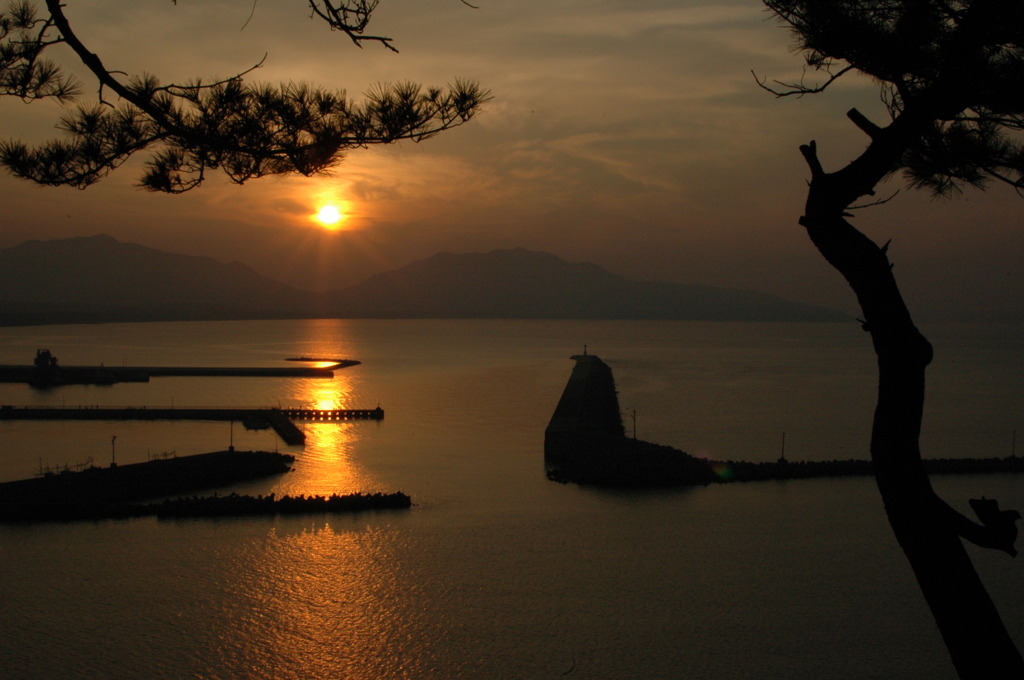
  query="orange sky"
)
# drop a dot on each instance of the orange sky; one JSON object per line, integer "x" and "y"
{"x": 629, "y": 134}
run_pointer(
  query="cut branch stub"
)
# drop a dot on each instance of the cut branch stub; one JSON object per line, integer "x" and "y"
{"x": 1002, "y": 524}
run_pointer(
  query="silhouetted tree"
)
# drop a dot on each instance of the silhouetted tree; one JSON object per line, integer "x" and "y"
{"x": 952, "y": 76}
{"x": 243, "y": 129}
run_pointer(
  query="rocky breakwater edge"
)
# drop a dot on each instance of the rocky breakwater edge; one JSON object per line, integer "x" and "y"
{"x": 585, "y": 443}
{"x": 158, "y": 488}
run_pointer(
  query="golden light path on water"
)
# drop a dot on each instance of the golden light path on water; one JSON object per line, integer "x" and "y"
{"x": 315, "y": 602}
{"x": 496, "y": 572}
{"x": 326, "y": 464}
{"x": 316, "y": 597}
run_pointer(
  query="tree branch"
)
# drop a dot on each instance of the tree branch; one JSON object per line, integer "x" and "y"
{"x": 350, "y": 19}
{"x": 936, "y": 62}
{"x": 998, "y": 528}
{"x": 244, "y": 130}
{"x": 799, "y": 89}
{"x": 95, "y": 65}
{"x": 861, "y": 121}
{"x": 23, "y": 71}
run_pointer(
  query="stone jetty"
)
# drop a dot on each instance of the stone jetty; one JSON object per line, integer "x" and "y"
{"x": 585, "y": 443}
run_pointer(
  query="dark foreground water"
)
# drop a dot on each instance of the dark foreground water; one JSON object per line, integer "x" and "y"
{"x": 497, "y": 572}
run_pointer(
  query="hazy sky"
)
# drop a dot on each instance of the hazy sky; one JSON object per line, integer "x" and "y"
{"x": 629, "y": 134}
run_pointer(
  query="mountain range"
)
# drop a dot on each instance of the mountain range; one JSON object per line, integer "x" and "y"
{"x": 100, "y": 279}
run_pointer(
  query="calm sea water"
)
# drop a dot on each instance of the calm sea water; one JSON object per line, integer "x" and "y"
{"x": 497, "y": 572}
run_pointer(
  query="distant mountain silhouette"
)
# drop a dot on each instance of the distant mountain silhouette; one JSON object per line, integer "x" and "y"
{"x": 100, "y": 279}
{"x": 528, "y": 284}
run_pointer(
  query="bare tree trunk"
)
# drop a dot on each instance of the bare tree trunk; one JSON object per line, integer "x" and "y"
{"x": 927, "y": 529}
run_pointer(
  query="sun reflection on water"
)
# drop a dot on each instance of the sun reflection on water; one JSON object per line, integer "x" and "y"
{"x": 323, "y": 597}
{"x": 326, "y": 394}
{"x": 328, "y": 463}
{"x": 322, "y": 364}
{"x": 319, "y": 601}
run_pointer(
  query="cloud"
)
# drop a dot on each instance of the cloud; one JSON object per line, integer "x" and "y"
{"x": 632, "y": 134}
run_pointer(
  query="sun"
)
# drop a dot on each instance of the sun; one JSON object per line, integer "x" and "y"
{"x": 329, "y": 216}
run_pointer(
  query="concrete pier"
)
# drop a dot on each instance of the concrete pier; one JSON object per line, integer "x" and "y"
{"x": 97, "y": 492}
{"x": 585, "y": 443}
{"x": 47, "y": 372}
{"x": 279, "y": 419}
{"x": 585, "y": 440}
{"x": 109, "y": 375}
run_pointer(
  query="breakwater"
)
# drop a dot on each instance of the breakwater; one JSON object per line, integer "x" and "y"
{"x": 100, "y": 491}
{"x": 46, "y": 371}
{"x": 585, "y": 443}
{"x": 743, "y": 471}
{"x": 118, "y": 492}
{"x": 109, "y": 375}
{"x": 235, "y": 505}
{"x": 585, "y": 440}
{"x": 334, "y": 363}
{"x": 280, "y": 419}
{"x": 231, "y": 505}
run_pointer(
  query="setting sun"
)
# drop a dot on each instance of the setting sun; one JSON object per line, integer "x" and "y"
{"x": 330, "y": 216}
